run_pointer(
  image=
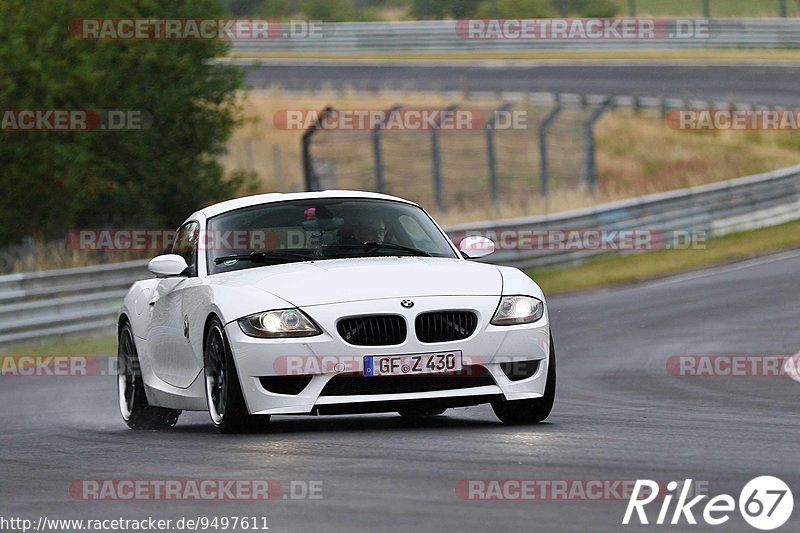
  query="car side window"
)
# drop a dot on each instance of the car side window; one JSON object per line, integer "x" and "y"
{"x": 185, "y": 243}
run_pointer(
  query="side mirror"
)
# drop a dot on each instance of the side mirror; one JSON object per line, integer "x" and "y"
{"x": 168, "y": 265}
{"x": 476, "y": 247}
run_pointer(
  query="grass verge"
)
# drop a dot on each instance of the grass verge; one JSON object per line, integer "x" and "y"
{"x": 88, "y": 345}
{"x": 618, "y": 270}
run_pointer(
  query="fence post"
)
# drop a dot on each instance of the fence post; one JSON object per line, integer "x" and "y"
{"x": 707, "y": 9}
{"x": 782, "y": 9}
{"x": 377, "y": 159}
{"x": 490, "y": 152}
{"x": 436, "y": 159}
{"x": 632, "y": 8}
{"x": 589, "y": 174}
{"x": 311, "y": 178}
{"x": 377, "y": 154}
{"x": 277, "y": 164}
{"x": 543, "y": 127}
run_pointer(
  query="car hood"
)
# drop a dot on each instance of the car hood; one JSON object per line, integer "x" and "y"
{"x": 347, "y": 280}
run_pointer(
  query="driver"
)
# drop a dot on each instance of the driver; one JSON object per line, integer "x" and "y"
{"x": 370, "y": 229}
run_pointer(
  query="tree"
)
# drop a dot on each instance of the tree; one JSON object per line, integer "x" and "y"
{"x": 52, "y": 181}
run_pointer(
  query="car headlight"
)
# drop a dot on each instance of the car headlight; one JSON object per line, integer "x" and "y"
{"x": 280, "y": 323}
{"x": 518, "y": 310}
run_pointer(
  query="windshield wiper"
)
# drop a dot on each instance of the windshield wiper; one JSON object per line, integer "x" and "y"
{"x": 375, "y": 245}
{"x": 265, "y": 257}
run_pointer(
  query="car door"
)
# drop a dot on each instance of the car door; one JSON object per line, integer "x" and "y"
{"x": 167, "y": 337}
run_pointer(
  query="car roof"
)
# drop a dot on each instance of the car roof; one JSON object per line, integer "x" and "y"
{"x": 247, "y": 201}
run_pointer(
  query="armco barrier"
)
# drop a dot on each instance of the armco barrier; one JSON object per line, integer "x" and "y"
{"x": 716, "y": 209}
{"x": 56, "y": 302}
{"x": 39, "y": 304}
{"x": 444, "y": 36}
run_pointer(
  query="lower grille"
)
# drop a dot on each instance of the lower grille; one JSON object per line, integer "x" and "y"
{"x": 358, "y": 385}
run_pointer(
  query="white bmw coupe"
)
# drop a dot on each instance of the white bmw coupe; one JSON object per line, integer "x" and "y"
{"x": 329, "y": 303}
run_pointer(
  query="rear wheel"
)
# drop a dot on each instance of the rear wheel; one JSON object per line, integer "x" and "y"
{"x": 535, "y": 410}
{"x": 226, "y": 404}
{"x": 420, "y": 413}
{"x": 136, "y": 411}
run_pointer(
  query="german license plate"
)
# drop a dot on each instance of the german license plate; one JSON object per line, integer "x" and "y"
{"x": 403, "y": 365}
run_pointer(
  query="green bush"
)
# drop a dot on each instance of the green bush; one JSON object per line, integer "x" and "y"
{"x": 52, "y": 181}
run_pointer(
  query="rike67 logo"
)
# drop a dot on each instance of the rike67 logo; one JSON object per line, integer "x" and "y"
{"x": 766, "y": 503}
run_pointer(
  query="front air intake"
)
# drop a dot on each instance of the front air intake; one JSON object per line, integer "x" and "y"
{"x": 445, "y": 326}
{"x": 373, "y": 330}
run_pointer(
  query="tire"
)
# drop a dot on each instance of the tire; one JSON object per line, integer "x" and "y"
{"x": 419, "y": 414}
{"x": 224, "y": 397}
{"x": 532, "y": 411}
{"x": 133, "y": 404}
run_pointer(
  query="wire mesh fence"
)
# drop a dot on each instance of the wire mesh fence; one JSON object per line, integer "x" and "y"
{"x": 520, "y": 150}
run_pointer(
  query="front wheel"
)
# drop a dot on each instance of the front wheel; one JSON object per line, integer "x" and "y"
{"x": 136, "y": 411}
{"x": 226, "y": 404}
{"x": 535, "y": 410}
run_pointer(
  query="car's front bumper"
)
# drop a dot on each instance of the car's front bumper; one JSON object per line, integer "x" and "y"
{"x": 327, "y": 356}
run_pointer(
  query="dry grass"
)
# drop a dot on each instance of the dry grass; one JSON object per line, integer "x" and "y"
{"x": 275, "y": 154}
{"x": 636, "y": 155}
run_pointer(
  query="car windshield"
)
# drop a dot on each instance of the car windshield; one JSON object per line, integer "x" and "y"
{"x": 320, "y": 229}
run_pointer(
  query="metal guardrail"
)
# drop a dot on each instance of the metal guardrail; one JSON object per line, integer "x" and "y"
{"x": 447, "y": 36}
{"x": 33, "y": 305}
{"x": 58, "y": 302}
{"x": 717, "y": 209}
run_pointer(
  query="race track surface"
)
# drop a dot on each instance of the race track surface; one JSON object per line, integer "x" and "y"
{"x": 769, "y": 85}
{"x": 619, "y": 416}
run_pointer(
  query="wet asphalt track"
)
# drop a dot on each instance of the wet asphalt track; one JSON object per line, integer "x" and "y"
{"x": 769, "y": 85}
{"x": 618, "y": 415}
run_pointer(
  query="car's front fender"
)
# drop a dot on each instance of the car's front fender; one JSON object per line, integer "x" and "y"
{"x": 226, "y": 302}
